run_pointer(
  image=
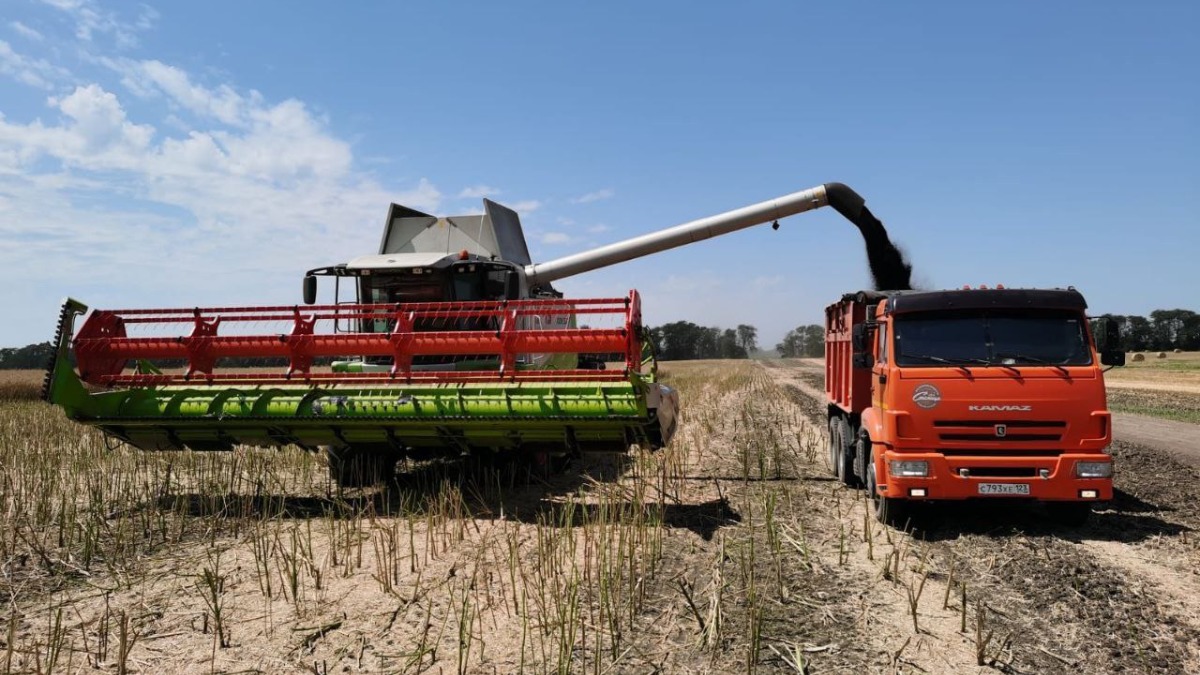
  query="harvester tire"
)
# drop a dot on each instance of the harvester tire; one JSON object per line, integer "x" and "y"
{"x": 350, "y": 468}
{"x": 1069, "y": 514}
{"x": 888, "y": 510}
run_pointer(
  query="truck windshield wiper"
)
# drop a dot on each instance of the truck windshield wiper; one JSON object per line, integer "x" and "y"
{"x": 1033, "y": 359}
{"x": 956, "y": 362}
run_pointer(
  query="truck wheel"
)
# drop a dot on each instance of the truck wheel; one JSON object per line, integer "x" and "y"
{"x": 351, "y": 468}
{"x": 835, "y": 449}
{"x": 845, "y": 462}
{"x": 888, "y": 510}
{"x": 1070, "y": 514}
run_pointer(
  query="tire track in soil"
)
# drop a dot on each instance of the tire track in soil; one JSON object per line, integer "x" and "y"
{"x": 1114, "y": 596}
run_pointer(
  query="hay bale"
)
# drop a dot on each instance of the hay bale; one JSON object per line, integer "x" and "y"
{"x": 1139, "y": 357}
{"x": 1177, "y": 350}
{"x": 1161, "y": 355}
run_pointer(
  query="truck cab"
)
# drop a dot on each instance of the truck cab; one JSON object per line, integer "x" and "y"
{"x": 970, "y": 394}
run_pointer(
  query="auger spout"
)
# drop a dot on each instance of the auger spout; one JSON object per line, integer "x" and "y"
{"x": 830, "y": 194}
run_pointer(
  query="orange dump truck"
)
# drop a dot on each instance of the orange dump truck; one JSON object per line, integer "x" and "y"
{"x": 970, "y": 394}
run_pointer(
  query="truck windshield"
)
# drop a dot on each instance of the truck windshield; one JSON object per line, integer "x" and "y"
{"x": 991, "y": 337}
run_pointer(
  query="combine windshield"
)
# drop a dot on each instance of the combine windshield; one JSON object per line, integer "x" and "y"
{"x": 407, "y": 287}
{"x": 992, "y": 337}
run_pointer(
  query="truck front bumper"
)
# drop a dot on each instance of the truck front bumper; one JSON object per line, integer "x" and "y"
{"x": 987, "y": 477}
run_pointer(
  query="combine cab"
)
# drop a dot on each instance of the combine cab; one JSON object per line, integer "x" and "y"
{"x": 454, "y": 343}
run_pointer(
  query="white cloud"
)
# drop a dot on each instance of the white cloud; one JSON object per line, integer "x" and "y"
{"x": 599, "y": 228}
{"x": 222, "y": 103}
{"x": 526, "y": 206}
{"x": 91, "y": 20}
{"x": 25, "y": 31}
{"x": 478, "y": 192}
{"x": 555, "y": 238}
{"x": 94, "y": 135}
{"x": 244, "y": 194}
{"x": 593, "y": 196}
{"x": 33, "y": 72}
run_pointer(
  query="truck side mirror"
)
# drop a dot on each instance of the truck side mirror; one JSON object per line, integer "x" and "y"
{"x": 861, "y": 344}
{"x": 310, "y": 290}
{"x": 1112, "y": 335}
{"x": 1111, "y": 353}
{"x": 858, "y": 338}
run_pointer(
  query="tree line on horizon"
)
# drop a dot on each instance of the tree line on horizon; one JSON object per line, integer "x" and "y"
{"x": 686, "y": 341}
{"x": 803, "y": 342}
{"x": 1163, "y": 330}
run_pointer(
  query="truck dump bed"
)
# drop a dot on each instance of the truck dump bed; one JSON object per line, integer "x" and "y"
{"x": 847, "y": 387}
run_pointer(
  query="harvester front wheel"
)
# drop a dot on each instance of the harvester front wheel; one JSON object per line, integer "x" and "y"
{"x": 353, "y": 468}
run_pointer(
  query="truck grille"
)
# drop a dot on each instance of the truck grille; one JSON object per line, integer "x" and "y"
{"x": 1014, "y": 431}
{"x": 1003, "y": 472}
{"x": 1008, "y": 452}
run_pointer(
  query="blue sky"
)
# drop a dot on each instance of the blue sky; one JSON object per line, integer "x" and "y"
{"x": 156, "y": 154}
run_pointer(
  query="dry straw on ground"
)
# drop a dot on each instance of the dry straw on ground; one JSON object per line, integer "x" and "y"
{"x": 732, "y": 551}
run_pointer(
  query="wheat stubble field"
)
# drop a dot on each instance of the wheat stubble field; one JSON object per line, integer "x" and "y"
{"x": 731, "y": 551}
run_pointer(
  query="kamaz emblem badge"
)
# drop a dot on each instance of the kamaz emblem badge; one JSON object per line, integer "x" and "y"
{"x": 927, "y": 396}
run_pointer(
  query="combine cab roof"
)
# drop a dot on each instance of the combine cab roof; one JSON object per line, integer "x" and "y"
{"x": 397, "y": 260}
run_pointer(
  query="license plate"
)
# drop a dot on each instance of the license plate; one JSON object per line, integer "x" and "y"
{"x": 1003, "y": 488}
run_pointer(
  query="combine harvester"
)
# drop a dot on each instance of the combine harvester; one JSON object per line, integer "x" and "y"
{"x": 456, "y": 344}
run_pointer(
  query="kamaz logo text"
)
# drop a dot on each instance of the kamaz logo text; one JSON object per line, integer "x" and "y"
{"x": 1000, "y": 408}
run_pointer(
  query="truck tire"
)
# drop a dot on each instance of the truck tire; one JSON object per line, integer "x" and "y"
{"x": 845, "y": 461}
{"x": 835, "y": 449}
{"x": 1069, "y": 514}
{"x": 351, "y": 468}
{"x": 888, "y": 510}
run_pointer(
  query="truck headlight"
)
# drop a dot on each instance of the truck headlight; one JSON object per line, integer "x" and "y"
{"x": 1093, "y": 469}
{"x": 908, "y": 468}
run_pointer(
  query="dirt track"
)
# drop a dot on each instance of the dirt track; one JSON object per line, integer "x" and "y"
{"x": 1179, "y": 439}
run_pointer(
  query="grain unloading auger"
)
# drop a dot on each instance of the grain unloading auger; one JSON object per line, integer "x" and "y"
{"x": 455, "y": 343}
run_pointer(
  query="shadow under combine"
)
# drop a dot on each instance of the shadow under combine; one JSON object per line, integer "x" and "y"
{"x": 475, "y": 490}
